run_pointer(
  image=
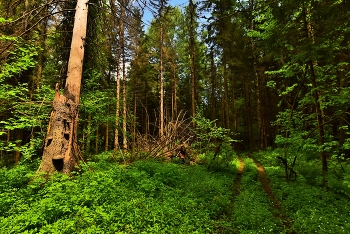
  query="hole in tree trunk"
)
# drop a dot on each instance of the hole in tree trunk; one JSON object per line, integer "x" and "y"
{"x": 58, "y": 164}
{"x": 66, "y": 136}
{"x": 48, "y": 142}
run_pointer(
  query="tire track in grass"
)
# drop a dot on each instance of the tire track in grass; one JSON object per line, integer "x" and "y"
{"x": 236, "y": 191}
{"x": 237, "y": 183}
{"x": 276, "y": 204}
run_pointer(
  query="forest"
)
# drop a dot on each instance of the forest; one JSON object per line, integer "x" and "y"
{"x": 210, "y": 116}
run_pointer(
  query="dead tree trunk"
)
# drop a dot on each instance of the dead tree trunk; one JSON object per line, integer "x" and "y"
{"x": 60, "y": 150}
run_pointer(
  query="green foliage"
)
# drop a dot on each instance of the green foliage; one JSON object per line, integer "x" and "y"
{"x": 97, "y": 104}
{"x": 312, "y": 208}
{"x": 154, "y": 197}
{"x": 208, "y": 134}
{"x": 22, "y": 57}
{"x": 308, "y": 69}
{"x": 213, "y": 143}
{"x": 22, "y": 109}
{"x": 146, "y": 197}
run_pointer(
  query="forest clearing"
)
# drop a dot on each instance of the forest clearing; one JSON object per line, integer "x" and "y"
{"x": 212, "y": 116}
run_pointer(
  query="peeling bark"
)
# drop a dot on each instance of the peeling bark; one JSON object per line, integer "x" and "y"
{"x": 59, "y": 151}
{"x": 61, "y": 148}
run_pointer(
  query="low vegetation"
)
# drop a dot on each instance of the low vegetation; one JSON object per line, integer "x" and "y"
{"x": 313, "y": 207}
{"x": 104, "y": 197}
{"x": 151, "y": 196}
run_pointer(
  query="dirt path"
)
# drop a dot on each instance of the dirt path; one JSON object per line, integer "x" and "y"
{"x": 237, "y": 183}
{"x": 278, "y": 211}
{"x": 228, "y": 216}
{"x": 268, "y": 190}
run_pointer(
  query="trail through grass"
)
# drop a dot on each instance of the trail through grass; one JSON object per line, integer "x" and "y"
{"x": 253, "y": 210}
{"x": 156, "y": 197}
{"x": 278, "y": 213}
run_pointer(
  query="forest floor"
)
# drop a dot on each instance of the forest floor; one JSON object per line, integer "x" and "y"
{"x": 148, "y": 196}
{"x": 279, "y": 214}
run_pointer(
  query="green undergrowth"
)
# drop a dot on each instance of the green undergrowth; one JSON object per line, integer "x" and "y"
{"x": 149, "y": 196}
{"x": 312, "y": 207}
{"x": 253, "y": 211}
{"x": 104, "y": 197}
{"x": 250, "y": 210}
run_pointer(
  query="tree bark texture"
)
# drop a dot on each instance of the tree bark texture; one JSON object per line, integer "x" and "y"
{"x": 97, "y": 139}
{"x": 213, "y": 101}
{"x": 161, "y": 86}
{"x": 233, "y": 106}
{"x": 192, "y": 54}
{"x": 119, "y": 76}
{"x": 226, "y": 105}
{"x": 18, "y": 145}
{"x": 125, "y": 140}
{"x": 116, "y": 132}
{"x": 60, "y": 149}
{"x": 107, "y": 133}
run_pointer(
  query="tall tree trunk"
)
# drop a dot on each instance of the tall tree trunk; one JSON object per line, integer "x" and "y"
{"x": 1, "y": 151}
{"x": 117, "y": 107}
{"x": 97, "y": 139}
{"x": 17, "y": 155}
{"x": 261, "y": 134}
{"x": 192, "y": 55}
{"x": 161, "y": 86}
{"x": 342, "y": 122}
{"x": 134, "y": 125}
{"x": 125, "y": 140}
{"x": 226, "y": 105}
{"x": 174, "y": 101}
{"x": 320, "y": 119}
{"x": 309, "y": 35}
{"x": 107, "y": 131}
{"x": 122, "y": 42}
{"x": 8, "y": 137}
{"x": 60, "y": 150}
{"x": 221, "y": 95}
{"x": 119, "y": 75}
{"x": 145, "y": 116}
{"x": 234, "y": 111}
{"x": 43, "y": 35}
{"x": 88, "y": 135}
{"x": 83, "y": 140}
{"x": 212, "y": 85}
{"x": 248, "y": 115}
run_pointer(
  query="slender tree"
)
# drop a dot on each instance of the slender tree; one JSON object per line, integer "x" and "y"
{"x": 192, "y": 56}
